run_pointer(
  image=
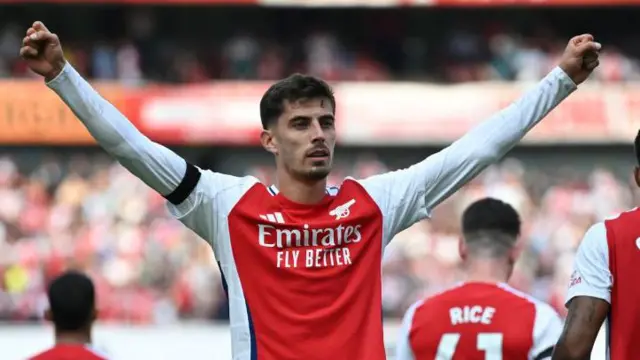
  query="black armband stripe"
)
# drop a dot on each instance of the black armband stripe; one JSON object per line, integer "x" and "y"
{"x": 545, "y": 354}
{"x": 186, "y": 186}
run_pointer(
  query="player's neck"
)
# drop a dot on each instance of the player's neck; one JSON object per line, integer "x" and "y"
{"x": 311, "y": 192}
{"x": 485, "y": 270}
{"x": 73, "y": 338}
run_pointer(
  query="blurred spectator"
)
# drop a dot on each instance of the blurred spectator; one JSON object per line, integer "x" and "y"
{"x": 149, "y": 268}
{"x": 89, "y": 213}
{"x": 370, "y": 47}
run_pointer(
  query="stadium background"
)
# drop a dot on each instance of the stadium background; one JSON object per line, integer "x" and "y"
{"x": 410, "y": 76}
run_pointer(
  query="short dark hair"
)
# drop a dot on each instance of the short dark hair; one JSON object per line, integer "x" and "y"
{"x": 72, "y": 301}
{"x": 293, "y": 88}
{"x": 637, "y": 147}
{"x": 490, "y": 227}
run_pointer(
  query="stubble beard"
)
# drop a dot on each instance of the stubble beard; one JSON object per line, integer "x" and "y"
{"x": 319, "y": 172}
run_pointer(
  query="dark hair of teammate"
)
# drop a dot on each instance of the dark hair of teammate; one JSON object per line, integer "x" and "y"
{"x": 72, "y": 305}
{"x": 636, "y": 171}
{"x": 490, "y": 228}
{"x": 293, "y": 88}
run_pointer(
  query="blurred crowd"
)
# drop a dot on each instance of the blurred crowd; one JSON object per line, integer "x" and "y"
{"x": 386, "y": 48}
{"x": 90, "y": 214}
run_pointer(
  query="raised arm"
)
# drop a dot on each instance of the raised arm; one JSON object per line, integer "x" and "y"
{"x": 408, "y": 195}
{"x": 157, "y": 166}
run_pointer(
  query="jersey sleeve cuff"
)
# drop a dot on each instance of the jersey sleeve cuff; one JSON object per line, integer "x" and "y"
{"x": 57, "y": 81}
{"x": 565, "y": 80}
{"x": 603, "y": 295}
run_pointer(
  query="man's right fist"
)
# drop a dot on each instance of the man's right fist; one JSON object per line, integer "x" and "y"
{"x": 42, "y": 51}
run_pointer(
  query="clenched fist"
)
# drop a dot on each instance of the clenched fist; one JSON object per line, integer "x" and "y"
{"x": 580, "y": 57}
{"x": 42, "y": 51}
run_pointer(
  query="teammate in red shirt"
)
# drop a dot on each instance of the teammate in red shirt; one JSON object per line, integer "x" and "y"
{"x": 482, "y": 318}
{"x": 605, "y": 284}
{"x": 72, "y": 310}
{"x": 302, "y": 261}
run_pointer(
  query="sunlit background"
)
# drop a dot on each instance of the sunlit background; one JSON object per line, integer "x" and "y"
{"x": 410, "y": 76}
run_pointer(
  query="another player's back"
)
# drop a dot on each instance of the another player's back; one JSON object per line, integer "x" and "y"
{"x": 604, "y": 286}
{"x": 69, "y": 352}
{"x": 623, "y": 245}
{"x": 483, "y": 321}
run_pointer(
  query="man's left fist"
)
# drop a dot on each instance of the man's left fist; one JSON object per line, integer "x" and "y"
{"x": 580, "y": 57}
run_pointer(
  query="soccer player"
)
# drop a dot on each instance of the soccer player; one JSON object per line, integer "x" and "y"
{"x": 302, "y": 261}
{"x": 605, "y": 284}
{"x": 72, "y": 311}
{"x": 483, "y": 317}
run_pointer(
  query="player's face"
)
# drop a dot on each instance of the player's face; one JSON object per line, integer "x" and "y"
{"x": 305, "y": 137}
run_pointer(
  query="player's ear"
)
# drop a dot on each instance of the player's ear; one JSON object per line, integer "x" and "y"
{"x": 268, "y": 141}
{"x": 636, "y": 175}
{"x": 94, "y": 315}
{"x": 48, "y": 315}
{"x": 462, "y": 248}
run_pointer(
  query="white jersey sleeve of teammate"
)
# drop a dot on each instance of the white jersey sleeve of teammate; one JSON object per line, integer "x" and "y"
{"x": 591, "y": 275}
{"x": 546, "y": 332}
{"x": 187, "y": 189}
{"x": 403, "y": 343}
{"x": 407, "y": 196}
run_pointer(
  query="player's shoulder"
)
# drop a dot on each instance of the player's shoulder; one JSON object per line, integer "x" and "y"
{"x": 463, "y": 293}
{"x": 86, "y": 352}
{"x": 409, "y": 314}
{"x": 230, "y": 189}
{"x": 631, "y": 213}
{"x": 349, "y": 186}
{"x": 516, "y": 294}
{"x": 381, "y": 180}
{"x": 624, "y": 219}
{"x": 595, "y": 238}
{"x": 44, "y": 355}
{"x": 215, "y": 191}
{"x": 223, "y": 182}
{"x": 48, "y": 354}
{"x": 542, "y": 309}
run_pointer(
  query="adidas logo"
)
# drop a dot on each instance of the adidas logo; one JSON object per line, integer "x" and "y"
{"x": 274, "y": 218}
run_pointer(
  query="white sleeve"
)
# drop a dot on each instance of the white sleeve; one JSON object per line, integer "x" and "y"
{"x": 546, "y": 332}
{"x": 407, "y": 196}
{"x": 591, "y": 275}
{"x": 157, "y": 166}
{"x": 403, "y": 344}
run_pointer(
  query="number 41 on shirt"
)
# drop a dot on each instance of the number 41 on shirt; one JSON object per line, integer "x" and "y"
{"x": 490, "y": 343}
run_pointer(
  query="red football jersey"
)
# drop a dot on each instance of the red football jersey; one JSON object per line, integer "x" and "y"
{"x": 304, "y": 281}
{"x": 70, "y": 352}
{"x": 606, "y": 267}
{"x": 482, "y": 321}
